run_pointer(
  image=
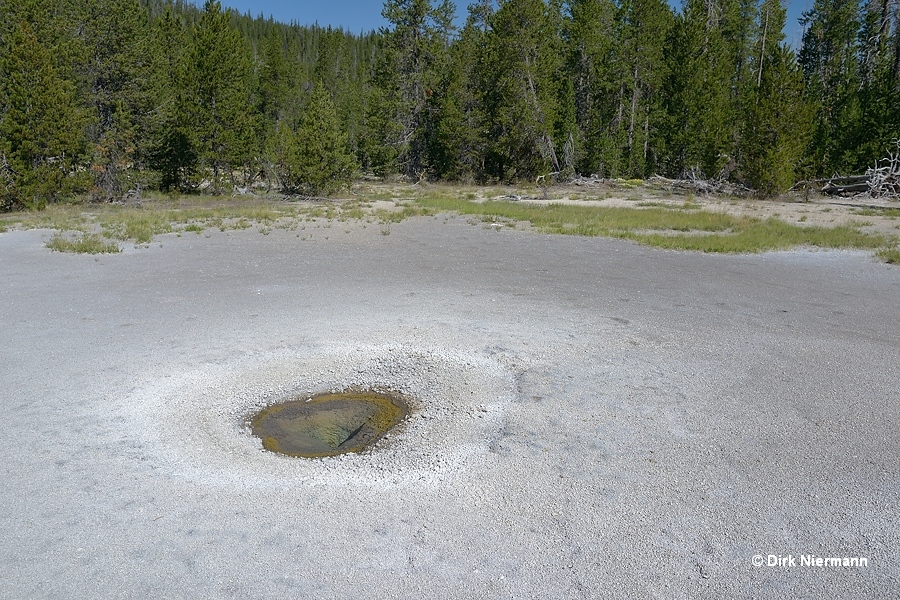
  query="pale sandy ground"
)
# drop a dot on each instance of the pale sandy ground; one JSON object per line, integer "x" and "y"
{"x": 596, "y": 419}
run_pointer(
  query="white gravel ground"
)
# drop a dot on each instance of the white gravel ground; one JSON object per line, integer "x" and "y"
{"x": 593, "y": 419}
{"x": 197, "y": 422}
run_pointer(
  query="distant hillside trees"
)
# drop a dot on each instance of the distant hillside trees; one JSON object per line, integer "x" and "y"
{"x": 99, "y": 97}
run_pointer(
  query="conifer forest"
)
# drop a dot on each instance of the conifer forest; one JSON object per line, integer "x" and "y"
{"x": 99, "y": 97}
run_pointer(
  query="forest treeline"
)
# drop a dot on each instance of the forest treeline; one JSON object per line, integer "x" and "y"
{"x": 101, "y": 97}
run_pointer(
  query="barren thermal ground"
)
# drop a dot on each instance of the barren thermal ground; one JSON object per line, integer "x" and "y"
{"x": 588, "y": 418}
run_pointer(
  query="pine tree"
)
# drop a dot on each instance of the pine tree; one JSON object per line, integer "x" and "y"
{"x": 458, "y": 146}
{"x": 413, "y": 56}
{"x": 41, "y": 124}
{"x": 738, "y": 27}
{"x": 697, "y": 136}
{"x": 591, "y": 46}
{"x": 343, "y": 75}
{"x": 313, "y": 158}
{"x": 170, "y": 150}
{"x": 219, "y": 96}
{"x": 829, "y": 58}
{"x": 641, "y": 70}
{"x": 114, "y": 71}
{"x": 879, "y": 122}
{"x": 565, "y": 122}
{"x": 778, "y": 125}
{"x": 525, "y": 61}
{"x": 274, "y": 78}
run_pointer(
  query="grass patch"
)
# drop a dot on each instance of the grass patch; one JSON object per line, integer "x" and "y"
{"x": 396, "y": 216}
{"x": 82, "y": 243}
{"x": 135, "y": 224}
{"x": 140, "y": 224}
{"x": 629, "y": 183}
{"x": 586, "y": 220}
{"x": 667, "y": 227}
{"x": 55, "y": 216}
{"x": 355, "y": 213}
{"x": 686, "y": 205}
{"x": 760, "y": 236}
{"x": 683, "y": 226}
{"x": 889, "y": 255}
{"x": 645, "y": 204}
{"x": 876, "y": 212}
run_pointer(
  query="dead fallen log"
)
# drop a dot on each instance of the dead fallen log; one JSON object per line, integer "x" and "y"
{"x": 849, "y": 179}
{"x": 820, "y": 184}
{"x": 835, "y": 186}
{"x": 836, "y": 189}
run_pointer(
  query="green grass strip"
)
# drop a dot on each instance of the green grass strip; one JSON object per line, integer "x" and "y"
{"x": 674, "y": 228}
{"x": 82, "y": 243}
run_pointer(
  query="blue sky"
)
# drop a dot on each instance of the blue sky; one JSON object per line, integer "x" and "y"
{"x": 363, "y": 15}
{"x": 352, "y": 15}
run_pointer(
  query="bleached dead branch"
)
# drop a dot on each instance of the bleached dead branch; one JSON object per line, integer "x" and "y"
{"x": 700, "y": 186}
{"x": 881, "y": 181}
{"x": 884, "y": 177}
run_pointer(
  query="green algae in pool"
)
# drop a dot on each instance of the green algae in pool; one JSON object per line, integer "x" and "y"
{"x": 328, "y": 424}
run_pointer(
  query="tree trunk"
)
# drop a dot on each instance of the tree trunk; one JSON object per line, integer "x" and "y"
{"x": 762, "y": 50}
{"x": 634, "y": 98}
